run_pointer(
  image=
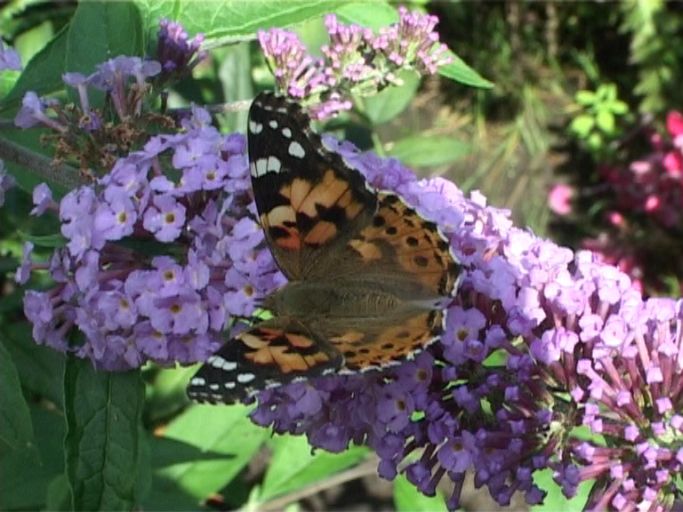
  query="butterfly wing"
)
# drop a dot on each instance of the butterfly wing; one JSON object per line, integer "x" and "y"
{"x": 383, "y": 340}
{"x": 307, "y": 197}
{"x": 271, "y": 353}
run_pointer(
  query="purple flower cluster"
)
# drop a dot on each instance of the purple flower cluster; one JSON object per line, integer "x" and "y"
{"x": 176, "y": 53}
{"x": 355, "y": 61}
{"x": 85, "y": 135}
{"x": 9, "y": 58}
{"x": 538, "y": 342}
{"x": 119, "y": 284}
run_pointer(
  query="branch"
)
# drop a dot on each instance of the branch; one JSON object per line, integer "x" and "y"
{"x": 39, "y": 165}
{"x": 369, "y": 467}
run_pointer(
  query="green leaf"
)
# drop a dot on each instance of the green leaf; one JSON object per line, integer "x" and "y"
{"x": 390, "y": 102}
{"x": 618, "y": 107}
{"x": 235, "y": 76}
{"x": 555, "y": 500}
{"x": 459, "y": 71}
{"x": 41, "y": 369}
{"x": 26, "y": 474}
{"x": 585, "y": 98}
{"x": 233, "y": 19}
{"x": 582, "y": 125}
{"x": 374, "y": 15}
{"x": 293, "y": 466}
{"x": 42, "y": 74}
{"x": 166, "y": 396}
{"x": 605, "y": 121}
{"x": 103, "y": 412}
{"x": 407, "y": 498}
{"x": 226, "y": 434}
{"x": 428, "y": 150}
{"x": 49, "y": 241}
{"x": 16, "y": 430}
{"x": 58, "y": 494}
{"x": 102, "y": 30}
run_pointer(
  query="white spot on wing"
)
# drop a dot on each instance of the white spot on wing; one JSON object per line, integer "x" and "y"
{"x": 255, "y": 127}
{"x": 230, "y": 385}
{"x": 296, "y": 150}
{"x": 286, "y": 132}
{"x": 214, "y": 387}
{"x": 252, "y": 169}
{"x": 273, "y": 164}
{"x": 273, "y": 124}
{"x": 261, "y": 164}
{"x": 243, "y": 378}
{"x": 197, "y": 381}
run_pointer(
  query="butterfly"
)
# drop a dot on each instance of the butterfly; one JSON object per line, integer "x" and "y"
{"x": 368, "y": 276}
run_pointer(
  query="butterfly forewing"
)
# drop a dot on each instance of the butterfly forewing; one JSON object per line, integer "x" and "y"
{"x": 308, "y": 199}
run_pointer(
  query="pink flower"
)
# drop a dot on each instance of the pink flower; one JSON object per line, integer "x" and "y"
{"x": 559, "y": 199}
{"x": 674, "y": 124}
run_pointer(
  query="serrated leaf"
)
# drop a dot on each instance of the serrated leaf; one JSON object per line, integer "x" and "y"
{"x": 428, "y": 150}
{"x": 103, "y": 414}
{"x": 226, "y": 434}
{"x": 16, "y": 429}
{"x": 293, "y": 467}
{"x": 459, "y": 71}
{"x": 555, "y": 500}
{"x": 42, "y": 74}
{"x": 393, "y": 100}
{"x": 373, "y": 15}
{"x": 233, "y": 18}
{"x": 99, "y": 31}
{"x": 408, "y": 499}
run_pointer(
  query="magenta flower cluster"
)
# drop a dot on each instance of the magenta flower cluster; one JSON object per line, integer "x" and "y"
{"x": 355, "y": 60}
{"x": 653, "y": 185}
{"x": 118, "y": 283}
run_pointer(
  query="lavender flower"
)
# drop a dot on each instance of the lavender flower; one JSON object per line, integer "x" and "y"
{"x": 9, "y": 58}
{"x": 42, "y": 199}
{"x": 176, "y": 53}
{"x": 32, "y": 113}
{"x": 355, "y": 60}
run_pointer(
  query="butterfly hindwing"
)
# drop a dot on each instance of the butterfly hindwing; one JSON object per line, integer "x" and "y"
{"x": 308, "y": 199}
{"x": 271, "y": 353}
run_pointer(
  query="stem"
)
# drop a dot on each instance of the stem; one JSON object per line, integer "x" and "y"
{"x": 369, "y": 467}
{"x": 39, "y": 165}
{"x": 235, "y": 106}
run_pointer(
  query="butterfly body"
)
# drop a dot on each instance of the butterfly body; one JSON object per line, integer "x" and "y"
{"x": 369, "y": 277}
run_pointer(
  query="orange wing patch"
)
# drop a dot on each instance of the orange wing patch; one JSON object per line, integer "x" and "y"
{"x": 313, "y": 213}
{"x": 399, "y": 232}
{"x": 396, "y": 339}
{"x": 289, "y": 352}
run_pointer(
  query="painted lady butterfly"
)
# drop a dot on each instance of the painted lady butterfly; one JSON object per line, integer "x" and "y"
{"x": 368, "y": 276}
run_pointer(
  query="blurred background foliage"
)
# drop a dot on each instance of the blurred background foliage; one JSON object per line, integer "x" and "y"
{"x": 578, "y": 137}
